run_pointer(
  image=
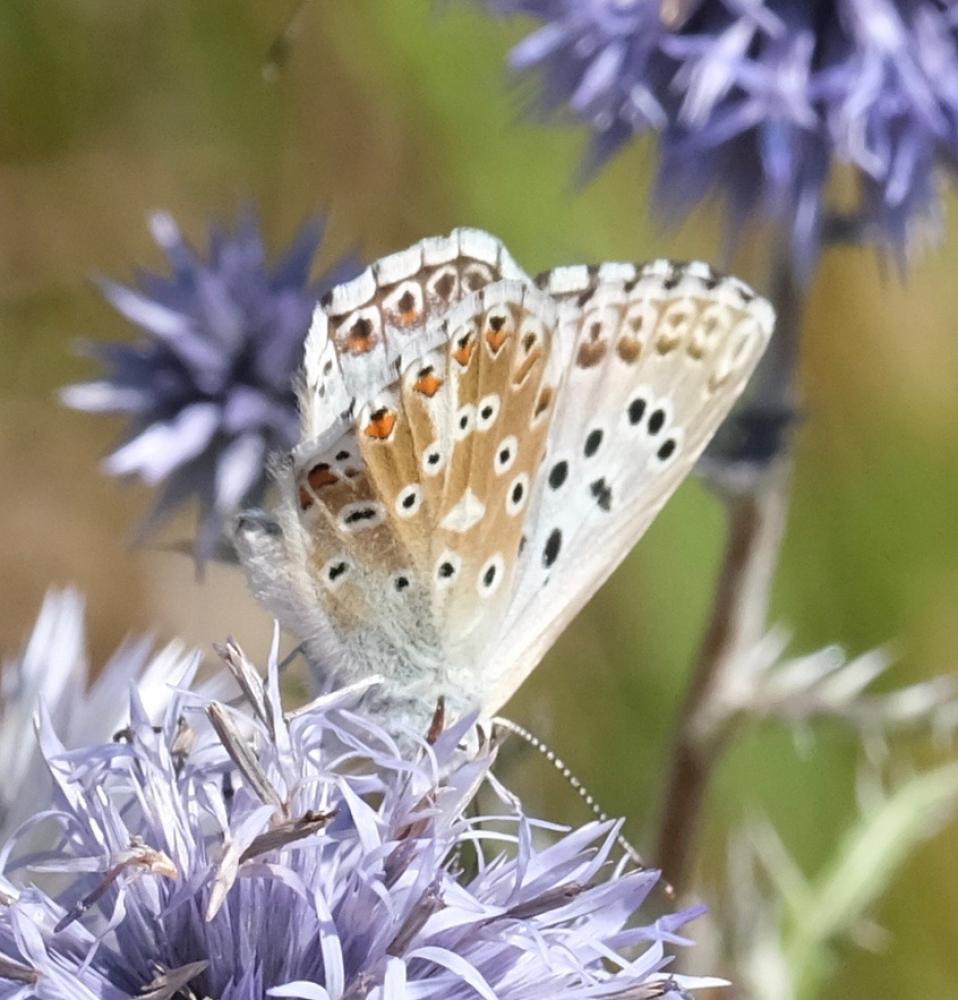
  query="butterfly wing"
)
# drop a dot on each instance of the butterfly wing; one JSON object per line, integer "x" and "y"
{"x": 656, "y": 357}
{"x": 479, "y": 455}
{"x": 394, "y": 547}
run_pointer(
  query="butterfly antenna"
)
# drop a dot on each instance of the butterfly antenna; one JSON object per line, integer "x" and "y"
{"x": 587, "y": 797}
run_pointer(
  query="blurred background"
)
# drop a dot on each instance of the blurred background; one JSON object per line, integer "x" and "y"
{"x": 399, "y": 120}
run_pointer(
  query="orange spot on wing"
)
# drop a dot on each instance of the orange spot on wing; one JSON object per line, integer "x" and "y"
{"x": 495, "y": 339}
{"x": 318, "y": 477}
{"x": 428, "y": 383}
{"x": 590, "y": 354}
{"x": 463, "y": 353}
{"x": 359, "y": 340}
{"x": 628, "y": 349}
{"x": 381, "y": 424}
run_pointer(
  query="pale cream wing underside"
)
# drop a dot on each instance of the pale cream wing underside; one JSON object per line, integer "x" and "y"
{"x": 479, "y": 454}
{"x": 659, "y": 355}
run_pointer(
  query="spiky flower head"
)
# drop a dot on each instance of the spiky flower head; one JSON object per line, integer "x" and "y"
{"x": 306, "y": 855}
{"x": 209, "y": 386}
{"x": 52, "y": 671}
{"x": 764, "y": 102}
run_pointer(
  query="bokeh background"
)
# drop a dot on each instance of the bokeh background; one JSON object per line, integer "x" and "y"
{"x": 399, "y": 120}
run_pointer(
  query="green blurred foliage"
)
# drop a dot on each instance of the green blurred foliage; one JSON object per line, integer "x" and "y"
{"x": 401, "y": 120}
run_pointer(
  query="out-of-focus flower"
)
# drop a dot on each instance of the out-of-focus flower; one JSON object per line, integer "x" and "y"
{"x": 209, "y": 389}
{"x": 762, "y": 683}
{"x": 762, "y": 100}
{"x": 780, "y": 925}
{"x": 52, "y": 672}
{"x": 305, "y": 855}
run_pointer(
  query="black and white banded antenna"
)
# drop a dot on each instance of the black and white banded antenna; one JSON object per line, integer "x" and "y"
{"x": 587, "y": 797}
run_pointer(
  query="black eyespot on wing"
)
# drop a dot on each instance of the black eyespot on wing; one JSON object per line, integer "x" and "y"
{"x": 363, "y": 514}
{"x": 592, "y": 443}
{"x": 517, "y": 492}
{"x": 666, "y": 449}
{"x": 489, "y": 576}
{"x": 337, "y": 570}
{"x": 558, "y": 474}
{"x": 636, "y": 410}
{"x": 402, "y": 582}
{"x": 341, "y": 456}
{"x": 656, "y": 421}
{"x": 446, "y": 570}
{"x": 551, "y": 551}
{"x": 602, "y": 492}
{"x": 486, "y": 412}
{"x": 409, "y": 500}
{"x": 433, "y": 458}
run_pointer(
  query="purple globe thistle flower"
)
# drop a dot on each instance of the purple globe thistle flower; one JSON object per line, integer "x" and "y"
{"x": 52, "y": 671}
{"x": 209, "y": 389}
{"x": 305, "y": 855}
{"x": 765, "y": 101}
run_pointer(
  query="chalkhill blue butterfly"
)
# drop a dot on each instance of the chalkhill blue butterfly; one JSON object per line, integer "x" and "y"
{"x": 479, "y": 451}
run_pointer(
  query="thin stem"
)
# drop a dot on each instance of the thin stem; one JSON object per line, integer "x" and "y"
{"x": 756, "y": 525}
{"x": 753, "y": 477}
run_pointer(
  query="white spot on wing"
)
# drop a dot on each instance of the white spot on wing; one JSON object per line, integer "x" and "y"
{"x": 468, "y": 512}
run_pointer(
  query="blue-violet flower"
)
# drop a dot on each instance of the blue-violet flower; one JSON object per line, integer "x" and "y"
{"x": 244, "y": 854}
{"x": 209, "y": 388}
{"x": 762, "y": 100}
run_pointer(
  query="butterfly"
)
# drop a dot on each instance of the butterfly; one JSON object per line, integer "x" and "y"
{"x": 479, "y": 451}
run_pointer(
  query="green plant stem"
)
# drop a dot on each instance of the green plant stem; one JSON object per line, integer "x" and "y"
{"x": 756, "y": 497}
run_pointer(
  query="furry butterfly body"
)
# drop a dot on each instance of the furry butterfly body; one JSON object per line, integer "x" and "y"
{"x": 479, "y": 451}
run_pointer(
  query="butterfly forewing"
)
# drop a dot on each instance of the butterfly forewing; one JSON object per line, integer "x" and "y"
{"x": 480, "y": 453}
{"x": 658, "y": 356}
